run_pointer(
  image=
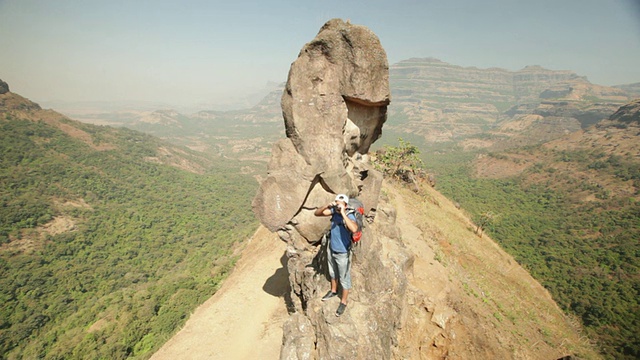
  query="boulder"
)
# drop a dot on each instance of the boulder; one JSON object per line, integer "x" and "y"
{"x": 339, "y": 82}
{"x": 282, "y": 193}
{"x": 4, "y": 87}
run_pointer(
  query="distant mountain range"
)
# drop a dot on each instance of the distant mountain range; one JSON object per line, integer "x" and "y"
{"x": 431, "y": 99}
{"x": 631, "y": 89}
{"x": 447, "y": 103}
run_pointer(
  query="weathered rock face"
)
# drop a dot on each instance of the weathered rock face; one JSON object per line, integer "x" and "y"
{"x": 334, "y": 106}
{"x": 369, "y": 327}
{"x": 4, "y": 87}
{"x": 628, "y": 113}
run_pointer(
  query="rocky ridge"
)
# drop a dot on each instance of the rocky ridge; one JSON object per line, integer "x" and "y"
{"x": 334, "y": 106}
{"x": 464, "y": 297}
{"x": 442, "y": 102}
{"x": 628, "y": 113}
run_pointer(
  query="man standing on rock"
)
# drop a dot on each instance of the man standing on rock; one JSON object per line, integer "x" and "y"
{"x": 342, "y": 225}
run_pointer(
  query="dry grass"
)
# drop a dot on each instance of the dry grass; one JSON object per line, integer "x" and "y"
{"x": 498, "y": 304}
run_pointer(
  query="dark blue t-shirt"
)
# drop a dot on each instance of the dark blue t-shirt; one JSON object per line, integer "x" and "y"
{"x": 340, "y": 235}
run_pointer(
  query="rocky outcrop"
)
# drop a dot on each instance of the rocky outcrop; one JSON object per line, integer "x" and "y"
{"x": 369, "y": 327}
{"x": 334, "y": 106}
{"x": 4, "y": 87}
{"x": 628, "y": 113}
{"x": 13, "y": 102}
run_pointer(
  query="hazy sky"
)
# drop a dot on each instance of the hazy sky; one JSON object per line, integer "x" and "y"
{"x": 184, "y": 52}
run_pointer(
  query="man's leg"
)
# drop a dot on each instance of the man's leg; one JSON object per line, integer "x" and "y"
{"x": 345, "y": 295}
{"x": 343, "y": 262}
{"x": 344, "y": 275}
{"x": 333, "y": 272}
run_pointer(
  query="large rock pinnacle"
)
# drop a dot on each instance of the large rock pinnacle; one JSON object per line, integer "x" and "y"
{"x": 4, "y": 87}
{"x": 334, "y": 106}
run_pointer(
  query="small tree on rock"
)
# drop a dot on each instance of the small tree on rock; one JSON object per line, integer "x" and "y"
{"x": 402, "y": 162}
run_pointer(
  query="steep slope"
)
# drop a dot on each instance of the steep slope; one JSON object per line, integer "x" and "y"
{"x": 466, "y": 298}
{"x": 108, "y": 237}
{"x": 569, "y": 210}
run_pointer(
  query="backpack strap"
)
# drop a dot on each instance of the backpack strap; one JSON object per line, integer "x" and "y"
{"x": 349, "y": 212}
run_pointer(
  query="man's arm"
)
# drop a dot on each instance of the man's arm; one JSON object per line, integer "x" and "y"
{"x": 324, "y": 211}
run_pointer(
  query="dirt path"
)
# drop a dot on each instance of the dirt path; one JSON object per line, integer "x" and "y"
{"x": 243, "y": 320}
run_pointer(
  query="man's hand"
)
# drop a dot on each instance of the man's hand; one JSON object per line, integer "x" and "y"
{"x": 325, "y": 210}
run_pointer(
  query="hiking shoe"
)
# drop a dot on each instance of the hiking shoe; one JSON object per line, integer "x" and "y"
{"x": 341, "y": 309}
{"x": 329, "y": 295}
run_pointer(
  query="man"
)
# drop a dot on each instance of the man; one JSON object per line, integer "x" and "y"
{"x": 342, "y": 225}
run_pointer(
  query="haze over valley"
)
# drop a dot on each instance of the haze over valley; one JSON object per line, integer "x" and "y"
{"x": 134, "y": 136}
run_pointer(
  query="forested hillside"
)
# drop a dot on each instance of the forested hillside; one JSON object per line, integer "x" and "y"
{"x": 569, "y": 211}
{"x": 109, "y": 237}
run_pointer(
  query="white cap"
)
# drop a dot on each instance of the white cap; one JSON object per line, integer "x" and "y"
{"x": 342, "y": 197}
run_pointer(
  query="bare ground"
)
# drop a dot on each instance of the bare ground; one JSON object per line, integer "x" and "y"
{"x": 243, "y": 320}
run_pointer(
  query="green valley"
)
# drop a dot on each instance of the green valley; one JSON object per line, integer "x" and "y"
{"x": 109, "y": 237}
{"x": 570, "y": 215}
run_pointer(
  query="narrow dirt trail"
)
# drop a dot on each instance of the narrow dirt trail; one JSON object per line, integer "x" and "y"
{"x": 243, "y": 320}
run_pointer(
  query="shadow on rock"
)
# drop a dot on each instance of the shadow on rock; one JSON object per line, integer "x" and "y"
{"x": 278, "y": 284}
